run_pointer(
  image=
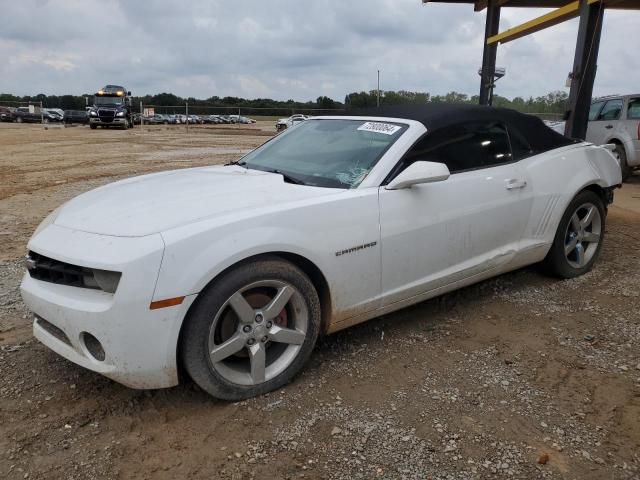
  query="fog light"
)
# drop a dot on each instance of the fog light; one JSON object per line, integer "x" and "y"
{"x": 93, "y": 346}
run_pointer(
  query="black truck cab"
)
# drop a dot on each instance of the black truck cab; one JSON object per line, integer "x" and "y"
{"x": 111, "y": 108}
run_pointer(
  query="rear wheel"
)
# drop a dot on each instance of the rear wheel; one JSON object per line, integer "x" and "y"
{"x": 93, "y": 126}
{"x": 624, "y": 166}
{"x": 579, "y": 238}
{"x": 252, "y": 330}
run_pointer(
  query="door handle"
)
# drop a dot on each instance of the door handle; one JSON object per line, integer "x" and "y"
{"x": 609, "y": 127}
{"x": 514, "y": 183}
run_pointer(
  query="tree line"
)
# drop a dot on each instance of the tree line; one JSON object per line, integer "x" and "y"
{"x": 552, "y": 103}
{"x": 266, "y": 106}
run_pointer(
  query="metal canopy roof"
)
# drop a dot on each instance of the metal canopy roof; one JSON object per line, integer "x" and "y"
{"x": 582, "y": 77}
{"x": 482, "y": 4}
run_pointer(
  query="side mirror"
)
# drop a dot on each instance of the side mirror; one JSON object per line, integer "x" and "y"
{"x": 419, "y": 172}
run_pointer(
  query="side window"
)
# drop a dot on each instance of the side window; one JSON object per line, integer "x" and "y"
{"x": 634, "y": 109}
{"x": 519, "y": 145}
{"x": 612, "y": 110}
{"x": 595, "y": 110}
{"x": 463, "y": 147}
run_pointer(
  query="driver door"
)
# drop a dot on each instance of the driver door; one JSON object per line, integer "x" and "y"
{"x": 436, "y": 234}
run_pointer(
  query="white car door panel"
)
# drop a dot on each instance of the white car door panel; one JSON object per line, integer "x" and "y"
{"x": 439, "y": 233}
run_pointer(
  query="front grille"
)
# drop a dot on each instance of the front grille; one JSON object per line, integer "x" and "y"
{"x": 53, "y": 330}
{"x": 106, "y": 115}
{"x": 54, "y": 271}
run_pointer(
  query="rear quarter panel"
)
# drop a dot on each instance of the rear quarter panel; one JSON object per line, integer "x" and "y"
{"x": 557, "y": 177}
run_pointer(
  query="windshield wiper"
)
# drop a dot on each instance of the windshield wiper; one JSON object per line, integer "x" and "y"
{"x": 287, "y": 178}
{"x": 240, "y": 163}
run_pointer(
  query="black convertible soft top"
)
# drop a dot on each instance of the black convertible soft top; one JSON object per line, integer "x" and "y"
{"x": 435, "y": 116}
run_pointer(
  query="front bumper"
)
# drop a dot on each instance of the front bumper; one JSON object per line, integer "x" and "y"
{"x": 139, "y": 344}
{"x": 108, "y": 122}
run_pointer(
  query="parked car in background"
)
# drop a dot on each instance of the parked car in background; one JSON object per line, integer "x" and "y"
{"x": 284, "y": 123}
{"x": 616, "y": 120}
{"x": 6, "y": 114}
{"x": 23, "y": 115}
{"x": 56, "y": 111}
{"x": 241, "y": 119}
{"x": 76, "y": 116}
{"x": 213, "y": 119}
{"x": 158, "y": 119}
{"x": 556, "y": 125}
{"x": 230, "y": 273}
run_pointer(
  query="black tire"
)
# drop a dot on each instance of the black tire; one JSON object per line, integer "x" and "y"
{"x": 210, "y": 305}
{"x": 556, "y": 262}
{"x": 624, "y": 166}
{"x": 93, "y": 126}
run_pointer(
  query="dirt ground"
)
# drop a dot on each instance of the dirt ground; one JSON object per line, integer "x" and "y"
{"x": 522, "y": 376}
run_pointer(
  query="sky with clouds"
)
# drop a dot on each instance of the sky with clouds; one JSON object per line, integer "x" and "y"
{"x": 289, "y": 48}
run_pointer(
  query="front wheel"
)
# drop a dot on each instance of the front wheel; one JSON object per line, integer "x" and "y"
{"x": 579, "y": 238}
{"x": 252, "y": 330}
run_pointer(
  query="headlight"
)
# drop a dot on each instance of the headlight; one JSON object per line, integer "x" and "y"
{"x": 108, "y": 281}
{"x": 105, "y": 280}
{"x": 120, "y": 114}
{"x": 49, "y": 219}
{"x": 93, "y": 113}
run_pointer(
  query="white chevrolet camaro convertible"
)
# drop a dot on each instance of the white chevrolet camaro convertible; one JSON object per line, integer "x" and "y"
{"x": 230, "y": 273}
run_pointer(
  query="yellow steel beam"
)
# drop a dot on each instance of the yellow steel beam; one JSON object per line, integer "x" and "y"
{"x": 550, "y": 19}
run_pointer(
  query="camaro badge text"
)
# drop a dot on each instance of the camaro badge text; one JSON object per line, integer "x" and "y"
{"x": 355, "y": 249}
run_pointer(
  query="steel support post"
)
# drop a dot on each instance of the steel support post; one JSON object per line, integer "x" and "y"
{"x": 584, "y": 69}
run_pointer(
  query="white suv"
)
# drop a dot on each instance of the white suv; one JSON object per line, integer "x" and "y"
{"x": 616, "y": 120}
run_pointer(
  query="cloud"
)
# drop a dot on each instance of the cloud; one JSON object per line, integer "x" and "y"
{"x": 287, "y": 49}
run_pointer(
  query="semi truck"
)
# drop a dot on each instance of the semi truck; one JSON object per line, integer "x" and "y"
{"x": 111, "y": 108}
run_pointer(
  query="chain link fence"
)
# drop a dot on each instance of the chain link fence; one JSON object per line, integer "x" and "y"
{"x": 198, "y": 114}
{"x": 184, "y": 114}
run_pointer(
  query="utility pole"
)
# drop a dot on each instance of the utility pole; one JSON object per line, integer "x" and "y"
{"x": 378, "y": 96}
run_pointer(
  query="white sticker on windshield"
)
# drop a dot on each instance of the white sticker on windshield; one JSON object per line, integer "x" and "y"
{"x": 378, "y": 127}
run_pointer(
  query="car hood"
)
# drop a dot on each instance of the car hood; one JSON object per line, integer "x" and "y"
{"x": 158, "y": 202}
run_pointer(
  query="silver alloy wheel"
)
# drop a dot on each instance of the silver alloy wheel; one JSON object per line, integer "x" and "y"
{"x": 251, "y": 344}
{"x": 583, "y": 235}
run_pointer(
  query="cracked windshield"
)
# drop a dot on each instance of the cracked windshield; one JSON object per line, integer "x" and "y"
{"x": 326, "y": 153}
